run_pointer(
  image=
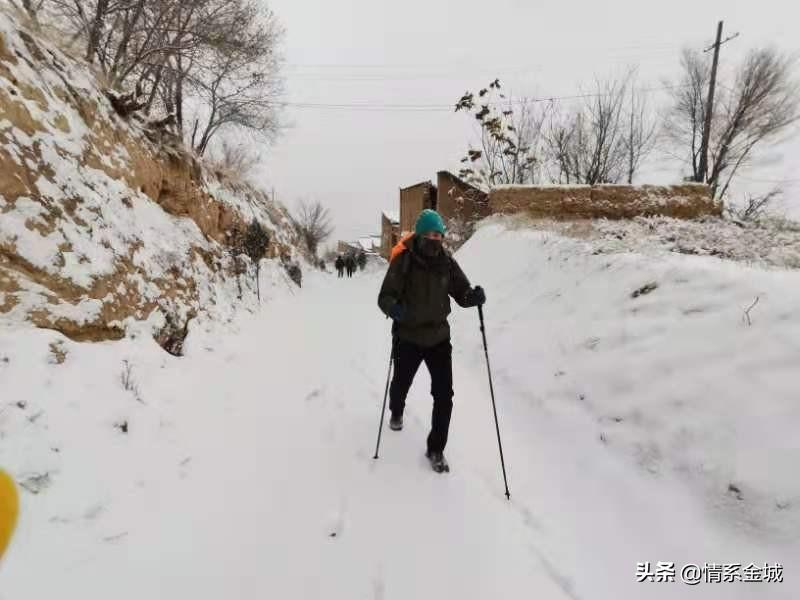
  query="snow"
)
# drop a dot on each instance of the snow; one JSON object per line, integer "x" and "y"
{"x": 368, "y": 244}
{"x": 392, "y": 215}
{"x": 766, "y": 242}
{"x": 584, "y": 186}
{"x": 247, "y": 468}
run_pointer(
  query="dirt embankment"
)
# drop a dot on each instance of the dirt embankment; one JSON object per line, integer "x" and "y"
{"x": 104, "y": 218}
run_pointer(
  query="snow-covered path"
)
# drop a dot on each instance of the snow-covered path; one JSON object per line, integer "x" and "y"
{"x": 300, "y": 509}
{"x": 276, "y": 493}
{"x": 248, "y": 473}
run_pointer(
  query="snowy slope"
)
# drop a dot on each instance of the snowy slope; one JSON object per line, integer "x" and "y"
{"x": 246, "y": 470}
{"x": 100, "y": 222}
{"x": 674, "y": 378}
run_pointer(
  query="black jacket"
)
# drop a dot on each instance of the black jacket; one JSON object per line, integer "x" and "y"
{"x": 423, "y": 286}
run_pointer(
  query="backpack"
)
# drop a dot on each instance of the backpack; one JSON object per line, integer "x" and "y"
{"x": 399, "y": 252}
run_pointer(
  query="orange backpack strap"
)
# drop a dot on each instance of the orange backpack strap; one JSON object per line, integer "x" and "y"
{"x": 400, "y": 247}
{"x": 400, "y": 252}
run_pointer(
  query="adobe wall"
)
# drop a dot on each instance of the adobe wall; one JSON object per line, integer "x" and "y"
{"x": 684, "y": 201}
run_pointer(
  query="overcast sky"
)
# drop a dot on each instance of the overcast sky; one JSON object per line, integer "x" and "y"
{"x": 429, "y": 52}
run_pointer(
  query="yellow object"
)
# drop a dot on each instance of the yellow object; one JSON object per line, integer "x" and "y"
{"x": 9, "y": 509}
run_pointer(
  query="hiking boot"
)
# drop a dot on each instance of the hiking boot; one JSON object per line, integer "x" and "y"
{"x": 396, "y": 422}
{"x": 438, "y": 461}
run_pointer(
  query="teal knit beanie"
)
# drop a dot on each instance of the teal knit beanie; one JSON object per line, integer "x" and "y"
{"x": 429, "y": 220}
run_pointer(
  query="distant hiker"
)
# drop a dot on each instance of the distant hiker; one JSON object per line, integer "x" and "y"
{"x": 350, "y": 264}
{"x": 339, "y": 265}
{"x": 415, "y": 295}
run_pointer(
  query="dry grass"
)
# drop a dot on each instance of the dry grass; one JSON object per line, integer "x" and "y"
{"x": 57, "y": 352}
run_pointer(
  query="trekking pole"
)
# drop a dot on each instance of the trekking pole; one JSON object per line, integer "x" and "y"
{"x": 385, "y": 394}
{"x": 494, "y": 407}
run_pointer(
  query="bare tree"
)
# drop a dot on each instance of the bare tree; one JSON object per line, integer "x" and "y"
{"x": 220, "y": 57}
{"x": 587, "y": 143}
{"x": 605, "y": 138}
{"x": 685, "y": 121}
{"x": 101, "y": 11}
{"x": 314, "y": 223}
{"x": 237, "y": 84}
{"x": 238, "y": 160}
{"x": 760, "y": 106}
{"x": 511, "y": 138}
{"x": 641, "y": 133}
{"x": 756, "y": 206}
{"x": 32, "y": 8}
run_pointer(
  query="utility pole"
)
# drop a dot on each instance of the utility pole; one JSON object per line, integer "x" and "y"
{"x": 703, "y": 167}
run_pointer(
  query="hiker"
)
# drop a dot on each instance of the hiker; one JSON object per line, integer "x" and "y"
{"x": 340, "y": 265}
{"x": 414, "y": 294}
{"x": 351, "y": 265}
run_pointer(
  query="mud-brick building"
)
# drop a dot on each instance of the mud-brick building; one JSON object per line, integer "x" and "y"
{"x": 457, "y": 199}
{"x": 413, "y": 200}
{"x": 390, "y": 232}
{"x": 452, "y": 197}
{"x": 345, "y": 248}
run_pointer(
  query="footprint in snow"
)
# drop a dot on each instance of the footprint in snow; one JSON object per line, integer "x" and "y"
{"x": 183, "y": 467}
{"x": 338, "y": 520}
{"x": 93, "y": 512}
{"x": 314, "y": 394}
{"x": 529, "y": 520}
{"x": 560, "y": 579}
{"x": 378, "y": 588}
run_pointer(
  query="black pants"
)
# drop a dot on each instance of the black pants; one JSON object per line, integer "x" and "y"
{"x": 439, "y": 361}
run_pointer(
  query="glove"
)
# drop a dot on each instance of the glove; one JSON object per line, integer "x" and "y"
{"x": 476, "y": 296}
{"x": 398, "y": 312}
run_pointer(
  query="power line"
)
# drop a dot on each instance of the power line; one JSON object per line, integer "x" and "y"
{"x": 384, "y": 73}
{"x": 366, "y": 106}
{"x": 654, "y": 49}
{"x": 369, "y": 107}
{"x": 445, "y": 68}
